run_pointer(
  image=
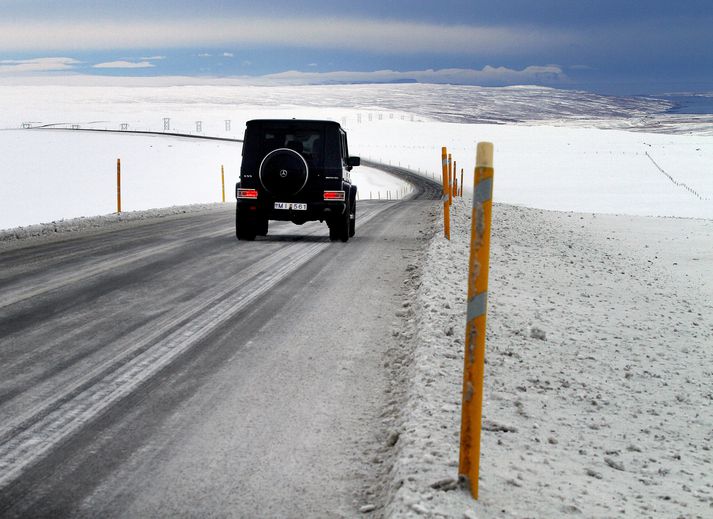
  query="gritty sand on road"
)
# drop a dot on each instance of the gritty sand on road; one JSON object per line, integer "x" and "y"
{"x": 599, "y": 370}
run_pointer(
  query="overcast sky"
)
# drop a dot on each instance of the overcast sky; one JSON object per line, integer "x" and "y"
{"x": 609, "y": 46}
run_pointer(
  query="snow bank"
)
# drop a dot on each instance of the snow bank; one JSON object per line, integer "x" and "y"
{"x": 597, "y": 373}
{"x": 51, "y": 229}
{"x": 374, "y": 184}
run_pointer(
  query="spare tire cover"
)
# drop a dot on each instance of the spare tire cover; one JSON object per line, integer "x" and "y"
{"x": 283, "y": 172}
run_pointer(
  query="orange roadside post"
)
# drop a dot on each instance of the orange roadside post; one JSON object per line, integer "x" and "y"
{"x": 118, "y": 185}
{"x": 222, "y": 181}
{"x": 474, "y": 364}
{"x": 454, "y": 179}
{"x": 461, "y": 182}
{"x": 446, "y": 206}
{"x": 450, "y": 180}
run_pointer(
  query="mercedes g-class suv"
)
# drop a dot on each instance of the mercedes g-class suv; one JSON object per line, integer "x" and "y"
{"x": 295, "y": 170}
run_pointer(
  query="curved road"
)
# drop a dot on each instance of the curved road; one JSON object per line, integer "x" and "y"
{"x": 166, "y": 369}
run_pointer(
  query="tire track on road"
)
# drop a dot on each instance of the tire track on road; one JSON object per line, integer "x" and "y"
{"x": 90, "y": 269}
{"x": 29, "y": 437}
{"x": 36, "y": 256}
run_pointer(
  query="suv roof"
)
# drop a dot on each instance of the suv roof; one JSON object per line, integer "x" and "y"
{"x": 295, "y": 121}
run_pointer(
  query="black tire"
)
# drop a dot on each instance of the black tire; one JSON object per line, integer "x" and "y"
{"x": 262, "y": 227}
{"x": 333, "y": 230}
{"x": 245, "y": 228}
{"x": 352, "y": 213}
{"x": 339, "y": 226}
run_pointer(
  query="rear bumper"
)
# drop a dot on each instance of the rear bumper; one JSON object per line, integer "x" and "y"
{"x": 316, "y": 210}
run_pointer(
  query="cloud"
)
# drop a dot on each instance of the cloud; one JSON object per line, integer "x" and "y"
{"x": 124, "y": 64}
{"x": 228, "y": 55}
{"x": 548, "y": 74}
{"x": 382, "y": 36}
{"x": 10, "y": 66}
{"x": 204, "y": 55}
{"x": 153, "y": 58}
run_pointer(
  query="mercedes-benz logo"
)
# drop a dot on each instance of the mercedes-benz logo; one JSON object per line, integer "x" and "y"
{"x": 283, "y": 173}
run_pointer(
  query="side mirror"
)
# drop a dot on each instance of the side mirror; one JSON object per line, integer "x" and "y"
{"x": 353, "y": 161}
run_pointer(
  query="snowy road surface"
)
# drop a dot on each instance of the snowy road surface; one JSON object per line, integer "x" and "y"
{"x": 167, "y": 369}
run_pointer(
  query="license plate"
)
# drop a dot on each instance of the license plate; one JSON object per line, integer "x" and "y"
{"x": 291, "y": 205}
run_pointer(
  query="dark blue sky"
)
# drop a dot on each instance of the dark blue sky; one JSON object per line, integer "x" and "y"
{"x": 607, "y": 46}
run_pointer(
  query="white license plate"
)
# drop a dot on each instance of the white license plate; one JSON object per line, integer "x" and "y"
{"x": 291, "y": 205}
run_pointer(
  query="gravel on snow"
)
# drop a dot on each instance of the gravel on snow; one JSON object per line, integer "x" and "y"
{"x": 598, "y": 382}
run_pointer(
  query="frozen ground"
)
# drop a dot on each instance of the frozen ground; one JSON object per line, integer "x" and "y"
{"x": 598, "y": 379}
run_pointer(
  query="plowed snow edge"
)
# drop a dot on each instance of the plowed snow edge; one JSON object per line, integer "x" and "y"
{"x": 598, "y": 377}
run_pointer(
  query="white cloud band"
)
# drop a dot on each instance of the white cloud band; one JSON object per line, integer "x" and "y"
{"x": 345, "y": 34}
{"x": 124, "y": 64}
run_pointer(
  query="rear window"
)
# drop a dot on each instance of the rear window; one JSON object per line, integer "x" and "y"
{"x": 302, "y": 141}
{"x": 307, "y": 142}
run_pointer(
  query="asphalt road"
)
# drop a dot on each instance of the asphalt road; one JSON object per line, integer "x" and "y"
{"x": 166, "y": 369}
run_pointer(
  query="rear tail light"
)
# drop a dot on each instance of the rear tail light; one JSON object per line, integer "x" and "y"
{"x": 334, "y": 195}
{"x": 247, "y": 193}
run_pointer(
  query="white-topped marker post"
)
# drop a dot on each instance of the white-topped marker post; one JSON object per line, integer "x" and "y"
{"x": 474, "y": 364}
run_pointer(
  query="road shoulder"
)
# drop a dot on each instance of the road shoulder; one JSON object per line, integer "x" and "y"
{"x": 597, "y": 371}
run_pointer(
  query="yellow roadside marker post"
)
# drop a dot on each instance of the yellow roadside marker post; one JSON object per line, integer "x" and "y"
{"x": 118, "y": 185}
{"x": 450, "y": 180}
{"x": 222, "y": 181}
{"x": 474, "y": 364}
{"x": 454, "y": 179}
{"x": 446, "y": 206}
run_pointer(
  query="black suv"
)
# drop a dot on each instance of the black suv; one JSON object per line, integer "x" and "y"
{"x": 295, "y": 170}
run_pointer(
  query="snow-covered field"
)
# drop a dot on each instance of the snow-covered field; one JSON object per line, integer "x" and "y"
{"x": 609, "y": 415}
{"x": 49, "y": 175}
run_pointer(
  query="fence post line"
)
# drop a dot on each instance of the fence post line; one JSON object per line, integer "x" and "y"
{"x": 446, "y": 205}
{"x": 222, "y": 181}
{"x": 118, "y": 185}
{"x": 474, "y": 363}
